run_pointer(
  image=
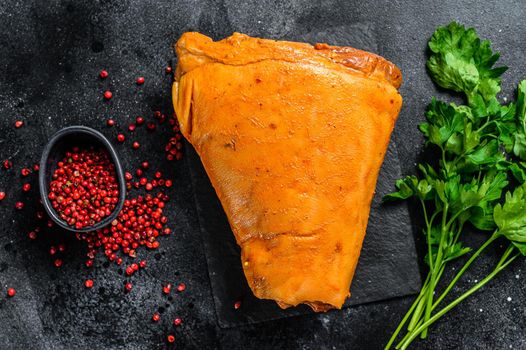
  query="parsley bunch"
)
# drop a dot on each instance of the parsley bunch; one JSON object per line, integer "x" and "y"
{"x": 479, "y": 177}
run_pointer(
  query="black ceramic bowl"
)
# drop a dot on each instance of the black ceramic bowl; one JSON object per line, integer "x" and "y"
{"x": 54, "y": 151}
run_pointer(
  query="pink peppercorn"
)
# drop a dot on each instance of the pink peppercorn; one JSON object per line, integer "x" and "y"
{"x": 108, "y": 94}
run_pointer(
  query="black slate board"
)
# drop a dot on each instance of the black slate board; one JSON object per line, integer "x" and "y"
{"x": 387, "y": 267}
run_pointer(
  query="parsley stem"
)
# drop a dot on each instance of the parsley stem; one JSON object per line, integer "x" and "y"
{"x": 408, "y": 334}
{"x": 504, "y": 261}
{"x": 417, "y": 314}
{"x": 505, "y": 255}
{"x": 406, "y": 317}
{"x": 433, "y": 218}
{"x": 486, "y": 124}
{"x": 446, "y": 168}
{"x": 457, "y": 235}
{"x": 452, "y": 220}
{"x": 493, "y": 237}
{"x": 438, "y": 262}
{"x": 425, "y": 212}
{"x": 416, "y": 319}
{"x": 419, "y": 308}
{"x": 428, "y": 231}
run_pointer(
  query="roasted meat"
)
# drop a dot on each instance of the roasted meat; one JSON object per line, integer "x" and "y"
{"x": 292, "y": 137}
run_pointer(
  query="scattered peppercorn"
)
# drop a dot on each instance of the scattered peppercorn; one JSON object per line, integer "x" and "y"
{"x": 178, "y": 322}
{"x": 120, "y": 138}
{"x": 237, "y": 305}
{"x": 170, "y": 338}
{"x": 2, "y": 195}
{"x": 88, "y": 283}
{"x": 140, "y": 80}
{"x": 150, "y": 126}
{"x": 36, "y": 167}
{"x": 7, "y": 164}
{"x": 19, "y": 124}
{"x": 139, "y": 120}
{"x": 156, "y": 317}
{"x": 174, "y": 146}
{"x": 32, "y": 235}
{"x": 131, "y": 127}
{"x": 25, "y": 172}
{"x": 167, "y": 288}
{"x": 57, "y": 263}
{"x": 103, "y": 74}
{"x": 168, "y": 70}
{"x": 136, "y": 145}
{"x": 11, "y": 292}
{"x": 108, "y": 94}
{"x": 19, "y": 205}
{"x": 128, "y": 287}
{"x": 181, "y": 287}
{"x": 110, "y": 122}
{"x": 26, "y": 187}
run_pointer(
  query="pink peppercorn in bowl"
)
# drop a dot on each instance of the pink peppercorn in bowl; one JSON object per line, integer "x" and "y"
{"x": 81, "y": 181}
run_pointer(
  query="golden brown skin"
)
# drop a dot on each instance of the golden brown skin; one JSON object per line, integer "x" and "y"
{"x": 292, "y": 137}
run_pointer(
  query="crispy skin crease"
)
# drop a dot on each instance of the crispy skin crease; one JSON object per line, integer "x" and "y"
{"x": 292, "y": 137}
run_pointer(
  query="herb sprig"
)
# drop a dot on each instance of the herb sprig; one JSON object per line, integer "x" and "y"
{"x": 479, "y": 178}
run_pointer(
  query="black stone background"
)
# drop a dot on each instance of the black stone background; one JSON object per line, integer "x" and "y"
{"x": 51, "y": 53}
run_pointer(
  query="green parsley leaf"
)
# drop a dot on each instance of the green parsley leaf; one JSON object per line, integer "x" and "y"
{"x": 456, "y": 251}
{"x": 519, "y": 146}
{"x": 405, "y": 190}
{"x": 518, "y": 169}
{"x": 511, "y": 217}
{"x": 486, "y": 154}
{"x": 443, "y": 122}
{"x": 460, "y": 61}
{"x": 410, "y": 186}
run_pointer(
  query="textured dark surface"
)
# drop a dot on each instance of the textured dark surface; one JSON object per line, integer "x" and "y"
{"x": 51, "y": 53}
{"x": 387, "y": 267}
